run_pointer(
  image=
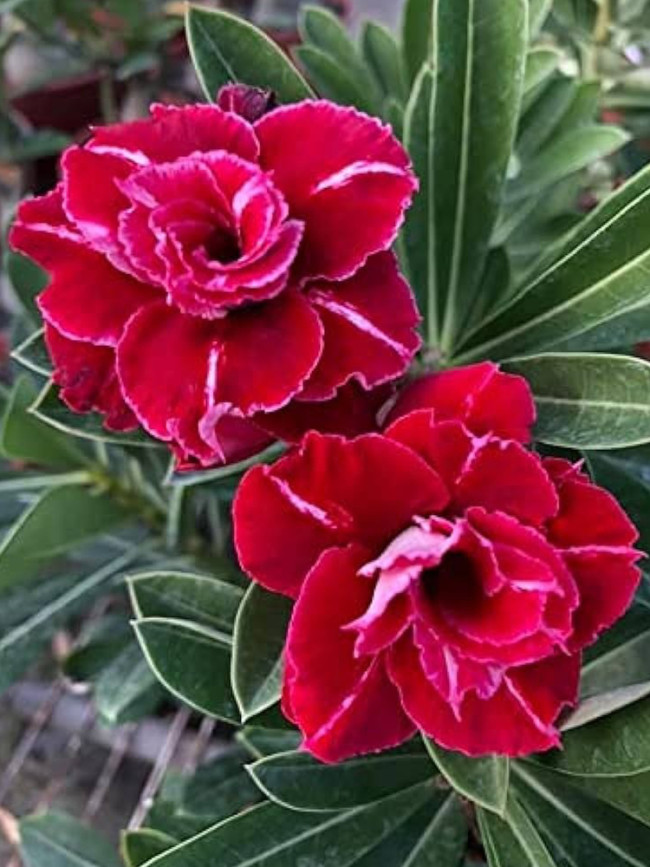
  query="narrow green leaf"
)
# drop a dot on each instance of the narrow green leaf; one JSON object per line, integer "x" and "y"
{"x": 538, "y": 11}
{"x": 538, "y": 125}
{"x": 333, "y": 81}
{"x": 629, "y": 794}
{"x": 598, "y": 706}
{"x": 298, "y": 781}
{"x": 382, "y": 54}
{"x": 142, "y": 845}
{"x": 417, "y": 33}
{"x": 191, "y": 661}
{"x": 126, "y": 690}
{"x": 50, "y": 411}
{"x": 483, "y": 780}
{"x": 599, "y": 272}
{"x": 30, "y": 618}
{"x": 260, "y": 634}
{"x": 418, "y": 234}
{"x": 322, "y": 30}
{"x": 479, "y": 58}
{"x": 271, "y": 836}
{"x": 541, "y": 62}
{"x": 61, "y": 520}
{"x": 25, "y": 438}
{"x": 184, "y": 596}
{"x": 32, "y": 353}
{"x": 586, "y": 830}
{"x": 57, "y": 840}
{"x": 574, "y": 151}
{"x": 615, "y": 746}
{"x": 261, "y": 742}
{"x": 588, "y": 401}
{"x": 514, "y": 841}
{"x": 27, "y": 280}
{"x": 189, "y": 804}
{"x": 226, "y": 48}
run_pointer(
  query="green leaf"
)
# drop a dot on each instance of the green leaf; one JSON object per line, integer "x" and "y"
{"x": 261, "y": 742}
{"x": 226, "y": 48}
{"x": 479, "y": 58}
{"x": 141, "y": 846}
{"x": 595, "y": 274}
{"x": 621, "y": 656}
{"x": 538, "y": 11}
{"x": 126, "y": 690}
{"x": 56, "y": 840}
{"x": 192, "y": 662}
{"x": 588, "y": 401}
{"x": 270, "y": 836}
{"x": 25, "y": 438}
{"x": 27, "y": 280}
{"x": 418, "y": 234}
{"x": 184, "y": 596}
{"x": 586, "y": 830}
{"x": 30, "y": 618}
{"x": 629, "y": 794}
{"x": 417, "y": 31}
{"x": 574, "y": 151}
{"x": 61, "y": 520}
{"x": 382, "y": 54}
{"x": 614, "y": 746}
{"x": 484, "y": 781}
{"x": 32, "y": 353}
{"x": 188, "y": 805}
{"x": 513, "y": 842}
{"x": 598, "y": 706}
{"x": 50, "y": 411}
{"x": 323, "y": 31}
{"x": 260, "y": 634}
{"x": 543, "y": 117}
{"x": 300, "y": 782}
{"x": 541, "y": 63}
{"x": 333, "y": 81}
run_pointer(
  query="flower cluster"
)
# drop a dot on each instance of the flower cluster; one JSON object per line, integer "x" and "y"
{"x": 217, "y": 273}
{"x": 221, "y": 276}
{"x": 446, "y": 578}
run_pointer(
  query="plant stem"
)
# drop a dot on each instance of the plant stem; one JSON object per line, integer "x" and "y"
{"x": 107, "y": 97}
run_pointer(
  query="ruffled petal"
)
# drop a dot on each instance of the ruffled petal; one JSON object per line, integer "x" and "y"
{"x": 163, "y": 362}
{"x": 88, "y": 379}
{"x": 588, "y": 514}
{"x": 487, "y": 400}
{"x": 178, "y": 131}
{"x": 504, "y": 477}
{"x": 344, "y": 706}
{"x": 446, "y": 446}
{"x": 352, "y": 196}
{"x": 88, "y": 299}
{"x": 303, "y": 507}
{"x": 370, "y": 323}
{"x": 607, "y": 581}
{"x": 501, "y": 724}
{"x": 267, "y": 353}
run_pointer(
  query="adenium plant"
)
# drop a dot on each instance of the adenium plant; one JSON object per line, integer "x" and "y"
{"x": 426, "y": 439}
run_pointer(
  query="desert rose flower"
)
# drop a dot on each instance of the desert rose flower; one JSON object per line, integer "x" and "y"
{"x": 446, "y": 578}
{"x": 207, "y": 271}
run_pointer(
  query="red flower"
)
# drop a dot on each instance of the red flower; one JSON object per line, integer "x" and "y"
{"x": 446, "y": 578}
{"x": 207, "y": 272}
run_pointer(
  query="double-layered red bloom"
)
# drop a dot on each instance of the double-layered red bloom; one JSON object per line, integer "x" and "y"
{"x": 446, "y": 578}
{"x": 207, "y": 272}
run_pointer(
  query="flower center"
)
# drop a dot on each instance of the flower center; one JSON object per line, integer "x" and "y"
{"x": 222, "y": 245}
{"x": 454, "y": 584}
